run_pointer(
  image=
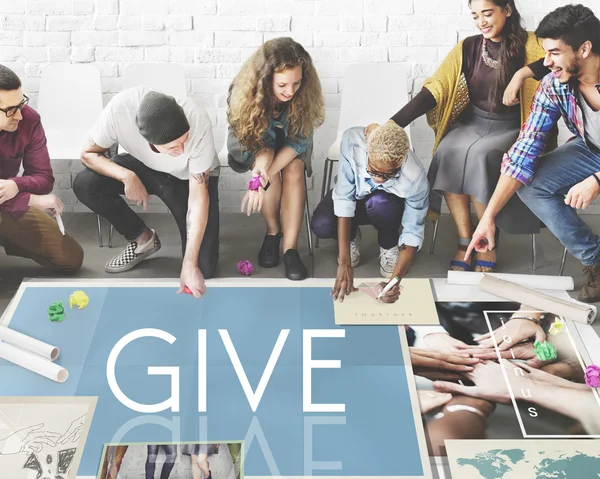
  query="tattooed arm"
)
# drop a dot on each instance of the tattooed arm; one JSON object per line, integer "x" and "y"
{"x": 197, "y": 216}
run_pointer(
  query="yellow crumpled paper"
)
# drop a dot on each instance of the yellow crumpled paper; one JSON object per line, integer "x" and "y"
{"x": 79, "y": 299}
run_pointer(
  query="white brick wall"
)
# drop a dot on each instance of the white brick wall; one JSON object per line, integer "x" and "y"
{"x": 212, "y": 37}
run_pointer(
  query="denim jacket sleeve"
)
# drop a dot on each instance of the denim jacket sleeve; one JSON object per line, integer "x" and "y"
{"x": 344, "y": 191}
{"x": 241, "y": 160}
{"x": 415, "y": 209}
{"x": 299, "y": 144}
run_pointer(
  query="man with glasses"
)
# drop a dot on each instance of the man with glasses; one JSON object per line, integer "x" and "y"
{"x": 380, "y": 182}
{"x": 170, "y": 153}
{"x": 27, "y": 228}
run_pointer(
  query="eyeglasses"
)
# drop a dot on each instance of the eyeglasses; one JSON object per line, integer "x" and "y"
{"x": 12, "y": 111}
{"x": 384, "y": 176}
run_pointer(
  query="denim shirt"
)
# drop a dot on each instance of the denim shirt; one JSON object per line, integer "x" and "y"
{"x": 245, "y": 158}
{"x": 353, "y": 183}
{"x": 552, "y": 100}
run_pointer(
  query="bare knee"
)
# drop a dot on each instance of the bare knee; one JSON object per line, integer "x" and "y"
{"x": 294, "y": 171}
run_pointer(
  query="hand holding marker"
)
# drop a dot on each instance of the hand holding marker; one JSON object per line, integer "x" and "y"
{"x": 389, "y": 286}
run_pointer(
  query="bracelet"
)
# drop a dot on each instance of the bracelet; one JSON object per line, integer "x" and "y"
{"x": 595, "y": 175}
{"x": 529, "y": 318}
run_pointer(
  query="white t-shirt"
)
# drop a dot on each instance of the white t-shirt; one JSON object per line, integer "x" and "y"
{"x": 116, "y": 125}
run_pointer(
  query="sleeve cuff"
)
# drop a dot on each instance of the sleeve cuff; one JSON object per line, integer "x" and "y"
{"x": 410, "y": 239}
{"x": 344, "y": 208}
{"x": 22, "y": 183}
{"x": 517, "y": 172}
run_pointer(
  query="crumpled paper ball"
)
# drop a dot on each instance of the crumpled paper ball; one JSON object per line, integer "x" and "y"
{"x": 245, "y": 267}
{"x": 556, "y": 327}
{"x": 56, "y": 312}
{"x": 592, "y": 376}
{"x": 545, "y": 351}
{"x": 254, "y": 184}
{"x": 79, "y": 299}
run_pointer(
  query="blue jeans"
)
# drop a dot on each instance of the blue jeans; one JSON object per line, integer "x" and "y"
{"x": 555, "y": 174}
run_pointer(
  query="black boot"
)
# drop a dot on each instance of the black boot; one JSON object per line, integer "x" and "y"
{"x": 294, "y": 267}
{"x": 268, "y": 256}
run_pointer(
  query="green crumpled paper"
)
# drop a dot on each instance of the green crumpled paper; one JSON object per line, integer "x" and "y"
{"x": 56, "y": 312}
{"x": 545, "y": 351}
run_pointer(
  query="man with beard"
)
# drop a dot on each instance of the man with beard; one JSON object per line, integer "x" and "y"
{"x": 555, "y": 185}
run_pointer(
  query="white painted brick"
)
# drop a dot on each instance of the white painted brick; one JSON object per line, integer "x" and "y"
{"x": 199, "y": 70}
{"x": 107, "y": 7}
{"x": 216, "y": 23}
{"x": 157, "y": 54}
{"x": 130, "y": 22}
{"x": 152, "y": 22}
{"x": 112, "y": 84}
{"x": 227, "y": 70}
{"x": 432, "y": 38}
{"x": 334, "y": 7}
{"x": 192, "y": 37}
{"x": 273, "y": 23}
{"x": 331, "y": 70}
{"x": 439, "y": 6}
{"x": 133, "y": 39}
{"x": 443, "y": 51}
{"x": 238, "y": 39}
{"x": 35, "y": 39}
{"x": 218, "y": 55}
{"x": 325, "y": 54}
{"x": 289, "y": 7}
{"x": 403, "y": 54}
{"x": 106, "y": 22}
{"x": 375, "y": 23}
{"x": 424, "y": 69}
{"x": 457, "y": 22}
{"x": 193, "y": 7}
{"x": 10, "y": 53}
{"x": 207, "y": 101}
{"x": 34, "y": 54}
{"x": 340, "y": 39}
{"x": 95, "y": 38}
{"x": 210, "y": 85}
{"x": 115, "y": 54}
{"x": 144, "y": 7}
{"x": 385, "y": 7}
{"x": 11, "y": 37}
{"x": 49, "y": 7}
{"x": 67, "y": 23}
{"x": 351, "y": 24}
{"x": 59, "y": 54}
{"x": 364, "y": 55}
{"x": 391, "y": 39}
{"x": 412, "y": 22}
{"x": 35, "y": 22}
{"x": 34, "y": 69}
{"x": 169, "y": 54}
{"x": 178, "y": 22}
{"x": 332, "y": 100}
{"x": 14, "y": 6}
{"x": 82, "y": 54}
{"x": 235, "y": 7}
{"x": 315, "y": 24}
{"x": 12, "y": 22}
{"x": 83, "y": 7}
{"x": 31, "y": 85}
{"x": 107, "y": 69}
{"x": 304, "y": 39}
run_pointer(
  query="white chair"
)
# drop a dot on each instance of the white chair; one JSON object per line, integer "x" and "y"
{"x": 167, "y": 78}
{"x": 70, "y": 102}
{"x": 364, "y": 101}
{"x": 223, "y": 154}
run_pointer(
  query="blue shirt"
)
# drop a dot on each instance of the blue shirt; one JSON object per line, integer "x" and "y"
{"x": 353, "y": 183}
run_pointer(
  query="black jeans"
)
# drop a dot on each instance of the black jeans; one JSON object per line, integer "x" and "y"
{"x": 170, "y": 457}
{"x": 102, "y": 195}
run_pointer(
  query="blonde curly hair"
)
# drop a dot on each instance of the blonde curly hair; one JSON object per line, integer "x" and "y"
{"x": 388, "y": 144}
{"x": 251, "y": 102}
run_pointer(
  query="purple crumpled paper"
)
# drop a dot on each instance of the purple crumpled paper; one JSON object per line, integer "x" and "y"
{"x": 245, "y": 267}
{"x": 592, "y": 376}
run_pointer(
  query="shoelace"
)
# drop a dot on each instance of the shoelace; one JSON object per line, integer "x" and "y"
{"x": 594, "y": 279}
{"x": 389, "y": 257}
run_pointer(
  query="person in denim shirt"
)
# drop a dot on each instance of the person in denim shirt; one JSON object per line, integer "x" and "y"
{"x": 274, "y": 105}
{"x": 556, "y": 184}
{"x": 380, "y": 182}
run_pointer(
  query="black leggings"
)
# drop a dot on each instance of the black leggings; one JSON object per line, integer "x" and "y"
{"x": 170, "y": 457}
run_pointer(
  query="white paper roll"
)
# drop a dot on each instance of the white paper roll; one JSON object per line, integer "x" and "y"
{"x": 550, "y": 283}
{"x": 47, "y": 351}
{"x": 34, "y": 363}
{"x": 571, "y": 309}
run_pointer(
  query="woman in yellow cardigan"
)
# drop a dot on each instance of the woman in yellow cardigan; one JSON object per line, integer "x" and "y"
{"x": 463, "y": 101}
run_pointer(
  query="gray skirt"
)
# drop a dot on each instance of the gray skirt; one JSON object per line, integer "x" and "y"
{"x": 468, "y": 160}
{"x": 196, "y": 449}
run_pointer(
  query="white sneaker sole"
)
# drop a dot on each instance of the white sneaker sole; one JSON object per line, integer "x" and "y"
{"x": 133, "y": 264}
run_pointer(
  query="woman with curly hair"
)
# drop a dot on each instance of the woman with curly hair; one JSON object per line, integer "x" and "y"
{"x": 274, "y": 105}
{"x": 470, "y": 104}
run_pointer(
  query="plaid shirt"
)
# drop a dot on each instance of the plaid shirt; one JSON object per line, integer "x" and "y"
{"x": 552, "y": 100}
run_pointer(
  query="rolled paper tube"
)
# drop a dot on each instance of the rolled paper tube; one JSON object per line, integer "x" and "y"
{"x": 571, "y": 309}
{"x": 550, "y": 283}
{"x": 46, "y": 351}
{"x": 32, "y": 362}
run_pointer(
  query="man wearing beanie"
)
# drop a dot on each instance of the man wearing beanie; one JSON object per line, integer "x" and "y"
{"x": 382, "y": 183}
{"x": 169, "y": 152}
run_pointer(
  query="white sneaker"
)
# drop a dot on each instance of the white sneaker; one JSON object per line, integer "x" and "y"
{"x": 387, "y": 261}
{"x": 354, "y": 250}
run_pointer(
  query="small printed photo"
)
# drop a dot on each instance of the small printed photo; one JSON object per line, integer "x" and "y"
{"x": 186, "y": 460}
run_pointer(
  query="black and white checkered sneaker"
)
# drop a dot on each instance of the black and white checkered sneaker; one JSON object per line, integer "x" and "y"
{"x": 132, "y": 255}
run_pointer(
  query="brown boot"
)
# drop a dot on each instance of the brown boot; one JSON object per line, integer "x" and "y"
{"x": 590, "y": 293}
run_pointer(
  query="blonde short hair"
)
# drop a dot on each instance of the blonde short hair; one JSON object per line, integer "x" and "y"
{"x": 388, "y": 144}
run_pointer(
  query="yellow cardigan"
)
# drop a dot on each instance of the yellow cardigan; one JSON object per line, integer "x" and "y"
{"x": 449, "y": 88}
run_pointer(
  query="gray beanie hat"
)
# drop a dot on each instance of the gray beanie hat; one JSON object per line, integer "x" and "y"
{"x": 160, "y": 119}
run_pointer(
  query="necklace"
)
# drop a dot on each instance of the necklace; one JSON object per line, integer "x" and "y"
{"x": 486, "y": 57}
